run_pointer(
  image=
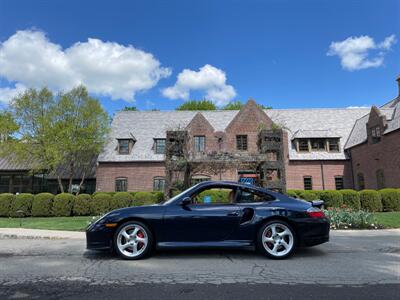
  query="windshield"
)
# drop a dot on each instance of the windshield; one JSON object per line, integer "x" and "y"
{"x": 178, "y": 196}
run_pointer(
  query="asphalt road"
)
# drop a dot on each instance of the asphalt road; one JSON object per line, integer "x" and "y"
{"x": 353, "y": 265}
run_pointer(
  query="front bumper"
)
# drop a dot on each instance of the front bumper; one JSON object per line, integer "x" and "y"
{"x": 99, "y": 237}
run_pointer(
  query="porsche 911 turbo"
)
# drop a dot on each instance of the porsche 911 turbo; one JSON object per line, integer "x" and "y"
{"x": 242, "y": 216}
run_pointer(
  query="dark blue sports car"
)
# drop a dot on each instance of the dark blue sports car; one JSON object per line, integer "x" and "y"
{"x": 213, "y": 214}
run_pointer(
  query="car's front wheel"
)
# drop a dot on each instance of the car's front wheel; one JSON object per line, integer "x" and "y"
{"x": 133, "y": 240}
{"x": 276, "y": 239}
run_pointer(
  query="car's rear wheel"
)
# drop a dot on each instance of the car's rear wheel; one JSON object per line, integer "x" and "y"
{"x": 276, "y": 239}
{"x": 133, "y": 240}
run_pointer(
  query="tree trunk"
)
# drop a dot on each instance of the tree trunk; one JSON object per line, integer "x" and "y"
{"x": 81, "y": 183}
{"x": 71, "y": 175}
{"x": 60, "y": 184}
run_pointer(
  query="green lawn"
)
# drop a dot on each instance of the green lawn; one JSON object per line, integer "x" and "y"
{"x": 52, "y": 223}
{"x": 388, "y": 219}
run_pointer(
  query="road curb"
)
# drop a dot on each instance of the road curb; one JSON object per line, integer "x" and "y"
{"x": 23, "y": 233}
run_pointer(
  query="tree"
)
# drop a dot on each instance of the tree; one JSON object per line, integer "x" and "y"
{"x": 58, "y": 133}
{"x": 197, "y": 105}
{"x": 7, "y": 126}
{"x": 234, "y": 105}
{"x": 130, "y": 108}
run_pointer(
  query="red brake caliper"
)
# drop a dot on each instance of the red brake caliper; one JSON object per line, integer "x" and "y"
{"x": 141, "y": 235}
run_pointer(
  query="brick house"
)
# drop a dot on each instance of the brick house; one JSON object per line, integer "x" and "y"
{"x": 374, "y": 147}
{"x": 313, "y": 145}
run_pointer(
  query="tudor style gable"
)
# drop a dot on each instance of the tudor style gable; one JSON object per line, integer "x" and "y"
{"x": 242, "y": 131}
{"x": 201, "y": 135}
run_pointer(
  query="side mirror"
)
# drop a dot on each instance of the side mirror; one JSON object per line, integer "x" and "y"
{"x": 186, "y": 201}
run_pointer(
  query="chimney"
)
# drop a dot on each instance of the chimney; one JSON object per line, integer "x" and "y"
{"x": 398, "y": 84}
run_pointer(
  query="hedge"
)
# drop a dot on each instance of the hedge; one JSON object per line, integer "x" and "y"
{"x": 81, "y": 205}
{"x": 390, "y": 199}
{"x": 291, "y": 193}
{"x": 307, "y": 195}
{"x": 370, "y": 200}
{"x": 144, "y": 198}
{"x": 62, "y": 205}
{"x": 217, "y": 196}
{"x": 332, "y": 198}
{"x": 100, "y": 204}
{"x": 351, "y": 199}
{"x": 121, "y": 199}
{"x": 42, "y": 205}
{"x": 23, "y": 202}
{"x": 6, "y": 200}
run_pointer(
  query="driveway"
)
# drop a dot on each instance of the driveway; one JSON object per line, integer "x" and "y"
{"x": 353, "y": 260}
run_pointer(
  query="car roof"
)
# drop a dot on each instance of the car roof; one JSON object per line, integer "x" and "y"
{"x": 231, "y": 184}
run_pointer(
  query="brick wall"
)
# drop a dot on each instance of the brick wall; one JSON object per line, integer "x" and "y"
{"x": 139, "y": 174}
{"x": 368, "y": 158}
{"x": 296, "y": 170}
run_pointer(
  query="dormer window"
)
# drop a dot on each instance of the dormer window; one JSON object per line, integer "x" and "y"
{"x": 376, "y": 134}
{"x": 124, "y": 146}
{"x": 317, "y": 144}
{"x": 159, "y": 146}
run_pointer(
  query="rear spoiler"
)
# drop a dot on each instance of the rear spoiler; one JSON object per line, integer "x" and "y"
{"x": 318, "y": 203}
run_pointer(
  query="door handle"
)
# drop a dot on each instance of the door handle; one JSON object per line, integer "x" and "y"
{"x": 233, "y": 214}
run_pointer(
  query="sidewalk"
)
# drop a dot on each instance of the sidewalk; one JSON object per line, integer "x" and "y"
{"x": 22, "y": 233}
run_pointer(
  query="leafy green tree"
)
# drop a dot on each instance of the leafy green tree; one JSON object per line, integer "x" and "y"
{"x": 197, "y": 105}
{"x": 8, "y": 126}
{"x": 234, "y": 105}
{"x": 59, "y": 134}
{"x": 130, "y": 108}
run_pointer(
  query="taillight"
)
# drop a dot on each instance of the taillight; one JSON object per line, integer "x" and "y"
{"x": 314, "y": 212}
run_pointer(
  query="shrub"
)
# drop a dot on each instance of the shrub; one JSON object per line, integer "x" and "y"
{"x": 370, "y": 200}
{"x": 332, "y": 198}
{"x": 6, "y": 200}
{"x": 347, "y": 218}
{"x": 22, "y": 202}
{"x": 62, "y": 205}
{"x": 307, "y": 195}
{"x": 351, "y": 199}
{"x": 101, "y": 203}
{"x": 144, "y": 198}
{"x": 81, "y": 205}
{"x": 291, "y": 193}
{"x": 217, "y": 196}
{"x": 42, "y": 205}
{"x": 390, "y": 199}
{"x": 159, "y": 196}
{"x": 121, "y": 199}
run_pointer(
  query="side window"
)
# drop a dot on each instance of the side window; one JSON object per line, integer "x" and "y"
{"x": 121, "y": 184}
{"x": 214, "y": 196}
{"x": 252, "y": 196}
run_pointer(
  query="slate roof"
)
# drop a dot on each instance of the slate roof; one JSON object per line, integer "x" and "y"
{"x": 145, "y": 126}
{"x": 390, "y": 110}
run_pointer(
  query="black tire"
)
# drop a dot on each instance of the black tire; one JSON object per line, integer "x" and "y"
{"x": 281, "y": 255}
{"x": 147, "y": 232}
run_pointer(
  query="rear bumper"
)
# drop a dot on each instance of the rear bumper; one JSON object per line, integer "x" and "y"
{"x": 313, "y": 232}
{"x": 313, "y": 241}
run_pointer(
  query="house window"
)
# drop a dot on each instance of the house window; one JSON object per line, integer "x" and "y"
{"x": 241, "y": 142}
{"x": 360, "y": 181}
{"x": 123, "y": 146}
{"x": 199, "y": 178}
{"x": 199, "y": 143}
{"x": 303, "y": 145}
{"x": 5, "y": 183}
{"x": 333, "y": 145}
{"x": 376, "y": 134}
{"x": 307, "y": 180}
{"x": 380, "y": 179}
{"x": 159, "y": 146}
{"x": 158, "y": 184}
{"x": 339, "y": 185}
{"x": 318, "y": 144}
{"x": 121, "y": 184}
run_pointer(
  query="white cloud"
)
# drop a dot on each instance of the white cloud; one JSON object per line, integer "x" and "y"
{"x": 105, "y": 68}
{"x": 209, "y": 79}
{"x": 7, "y": 93}
{"x": 355, "y": 52}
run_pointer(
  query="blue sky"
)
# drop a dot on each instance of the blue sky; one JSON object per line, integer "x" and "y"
{"x": 274, "y": 51}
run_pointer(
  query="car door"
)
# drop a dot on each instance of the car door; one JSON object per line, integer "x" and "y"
{"x": 200, "y": 222}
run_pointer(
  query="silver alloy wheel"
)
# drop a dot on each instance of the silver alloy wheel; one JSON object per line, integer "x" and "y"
{"x": 132, "y": 240}
{"x": 277, "y": 239}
